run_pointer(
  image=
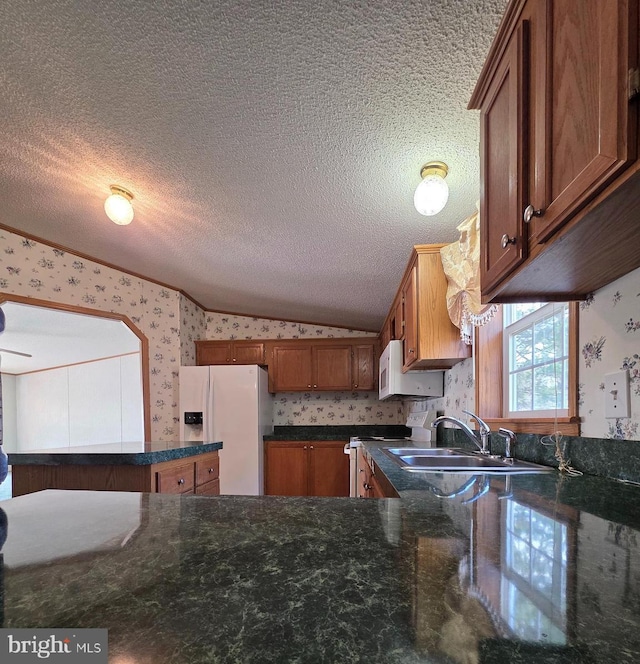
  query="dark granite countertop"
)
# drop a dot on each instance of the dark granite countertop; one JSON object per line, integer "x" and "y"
{"x": 460, "y": 569}
{"x": 338, "y": 432}
{"x": 113, "y": 454}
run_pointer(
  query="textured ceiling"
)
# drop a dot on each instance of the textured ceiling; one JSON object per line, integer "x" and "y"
{"x": 272, "y": 146}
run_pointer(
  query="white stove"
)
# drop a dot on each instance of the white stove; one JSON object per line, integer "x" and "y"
{"x": 421, "y": 435}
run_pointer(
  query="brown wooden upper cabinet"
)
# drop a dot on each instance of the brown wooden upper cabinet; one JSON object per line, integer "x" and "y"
{"x": 431, "y": 340}
{"x": 230, "y": 352}
{"x": 333, "y": 364}
{"x": 560, "y": 179}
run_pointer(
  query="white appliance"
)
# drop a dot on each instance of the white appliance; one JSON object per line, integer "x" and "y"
{"x": 393, "y": 383}
{"x": 231, "y": 404}
{"x": 420, "y": 423}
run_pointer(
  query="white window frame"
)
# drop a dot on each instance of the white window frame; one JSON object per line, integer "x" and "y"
{"x": 509, "y": 330}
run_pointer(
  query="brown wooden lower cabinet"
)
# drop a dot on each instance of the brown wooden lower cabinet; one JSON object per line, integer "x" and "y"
{"x": 199, "y": 475}
{"x": 306, "y": 468}
{"x": 371, "y": 483}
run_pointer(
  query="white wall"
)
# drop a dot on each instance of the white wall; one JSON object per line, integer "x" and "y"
{"x": 84, "y": 404}
{"x": 9, "y": 433}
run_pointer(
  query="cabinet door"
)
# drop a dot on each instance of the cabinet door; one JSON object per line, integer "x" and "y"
{"x": 328, "y": 468}
{"x": 286, "y": 468}
{"x": 218, "y": 352}
{"x": 364, "y": 476}
{"x": 248, "y": 352}
{"x": 332, "y": 367}
{"x": 364, "y": 367}
{"x": 582, "y": 114}
{"x": 398, "y": 332}
{"x": 292, "y": 368}
{"x": 409, "y": 295}
{"x": 502, "y": 146}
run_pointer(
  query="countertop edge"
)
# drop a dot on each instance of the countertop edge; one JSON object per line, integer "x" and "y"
{"x": 110, "y": 458}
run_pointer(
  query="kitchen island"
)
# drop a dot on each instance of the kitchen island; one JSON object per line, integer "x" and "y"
{"x": 155, "y": 466}
{"x": 460, "y": 568}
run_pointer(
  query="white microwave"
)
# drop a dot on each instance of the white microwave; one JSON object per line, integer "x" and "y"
{"x": 393, "y": 383}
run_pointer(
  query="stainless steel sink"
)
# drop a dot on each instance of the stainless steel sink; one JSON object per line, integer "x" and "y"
{"x": 456, "y": 460}
{"x": 425, "y": 451}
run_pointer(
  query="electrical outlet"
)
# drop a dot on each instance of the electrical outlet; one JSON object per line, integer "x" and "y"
{"x": 616, "y": 394}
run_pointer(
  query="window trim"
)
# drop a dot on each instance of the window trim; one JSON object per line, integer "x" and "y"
{"x": 545, "y": 311}
{"x": 488, "y": 384}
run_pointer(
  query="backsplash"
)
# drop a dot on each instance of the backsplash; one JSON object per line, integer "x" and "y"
{"x": 343, "y": 408}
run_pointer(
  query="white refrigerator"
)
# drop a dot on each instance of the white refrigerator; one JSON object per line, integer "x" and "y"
{"x": 231, "y": 404}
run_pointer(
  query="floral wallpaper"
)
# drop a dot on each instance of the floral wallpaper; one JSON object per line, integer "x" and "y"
{"x": 610, "y": 341}
{"x": 336, "y": 408}
{"x": 193, "y": 325}
{"x": 34, "y": 269}
{"x": 227, "y": 326}
{"x": 459, "y": 393}
{"x": 311, "y": 408}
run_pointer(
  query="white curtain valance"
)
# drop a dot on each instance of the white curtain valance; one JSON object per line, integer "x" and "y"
{"x": 461, "y": 263}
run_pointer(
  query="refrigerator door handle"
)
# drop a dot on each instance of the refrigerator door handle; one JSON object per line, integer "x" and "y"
{"x": 207, "y": 415}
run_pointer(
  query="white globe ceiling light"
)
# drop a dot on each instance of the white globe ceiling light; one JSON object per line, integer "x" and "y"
{"x": 433, "y": 192}
{"x": 118, "y": 206}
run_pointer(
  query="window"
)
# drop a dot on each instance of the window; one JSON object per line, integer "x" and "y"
{"x": 547, "y": 389}
{"x": 535, "y": 344}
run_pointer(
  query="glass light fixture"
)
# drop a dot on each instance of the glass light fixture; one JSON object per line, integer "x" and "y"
{"x": 433, "y": 192}
{"x": 118, "y": 206}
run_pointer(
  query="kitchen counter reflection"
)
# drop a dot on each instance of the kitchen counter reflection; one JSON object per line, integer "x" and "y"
{"x": 534, "y": 569}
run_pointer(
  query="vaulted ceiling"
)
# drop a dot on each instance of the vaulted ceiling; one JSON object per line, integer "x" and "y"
{"x": 272, "y": 147}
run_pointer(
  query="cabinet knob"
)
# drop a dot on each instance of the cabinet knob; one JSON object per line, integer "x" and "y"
{"x": 506, "y": 241}
{"x": 234, "y": 359}
{"x": 368, "y": 487}
{"x": 305, "y": 447}
{"x": 412, "y": 351}
{"x": 180, "y": 481}
{"x": 315, "y": 386}
{"x": 308, "y": 385}
{"x": 530, "y": 212}
{"x": 355, "y": 386}
{"x": 311, "y": 447}
{"x": 210, "y": 470}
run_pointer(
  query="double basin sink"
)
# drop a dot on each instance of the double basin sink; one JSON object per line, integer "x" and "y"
{"x": 449, "y": 459}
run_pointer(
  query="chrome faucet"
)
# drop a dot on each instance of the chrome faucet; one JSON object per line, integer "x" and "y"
{"x": 510, "y": 440}
{"x": 483, "y": 429}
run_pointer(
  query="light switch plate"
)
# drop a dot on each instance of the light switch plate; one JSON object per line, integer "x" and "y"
{"x": 616, "y": 394}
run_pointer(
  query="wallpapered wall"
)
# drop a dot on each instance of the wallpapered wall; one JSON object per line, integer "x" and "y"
{"x": 35, "y": 269}
{"x": 610, "y": 341}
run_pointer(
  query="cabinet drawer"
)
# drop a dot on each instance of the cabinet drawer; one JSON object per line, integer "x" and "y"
{"x": 178, "y": 479}
{"x": 209, "y": 489}
{"x": 207, "y": 470}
